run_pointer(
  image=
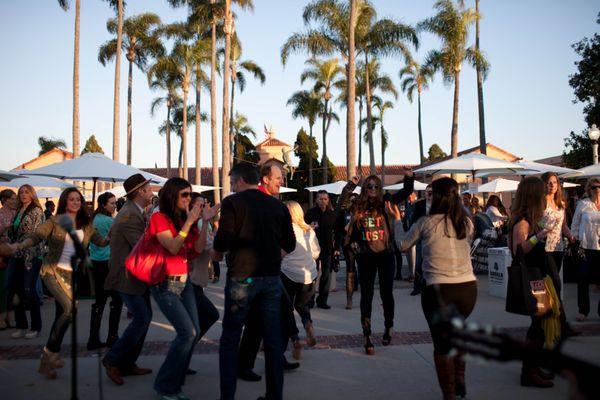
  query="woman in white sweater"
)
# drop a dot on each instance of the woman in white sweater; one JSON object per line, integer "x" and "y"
{"x": 298, "y": 275}
{"x": 445, "y": 235}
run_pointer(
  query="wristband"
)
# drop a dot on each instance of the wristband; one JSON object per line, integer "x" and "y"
{"x": 182, "y": 234}
{"x": 533, "y": 240}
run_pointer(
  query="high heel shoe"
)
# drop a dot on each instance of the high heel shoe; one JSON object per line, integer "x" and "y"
{"x": 387, "y": 337}
{"x": 369, "y": 348}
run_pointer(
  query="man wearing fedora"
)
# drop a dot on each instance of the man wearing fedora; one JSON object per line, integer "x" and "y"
{"x": 128, "y": 227}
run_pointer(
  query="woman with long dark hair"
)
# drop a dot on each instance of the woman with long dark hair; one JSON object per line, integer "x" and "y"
{"x": 370, "y": 237}
{"x": 526, "y": 238}
{"x": 56, "y": 269}
{"x": 103, "y": 220}
{"x": 496, "y": 211}
{"x": 24, "y": 266}
{"x": 446, "y": 235}
{"x": 174, "y": 228}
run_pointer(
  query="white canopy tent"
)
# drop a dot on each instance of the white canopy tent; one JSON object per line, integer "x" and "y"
{"x": 333, "y": 188}
{"x": 6, "y": 176}
{"x": 93, "y": 167}
{"x": 590, "y": 171}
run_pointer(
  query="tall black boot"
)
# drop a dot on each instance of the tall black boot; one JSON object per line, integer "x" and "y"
{"x": 113, "y": 323}
{"x": 94, "y": 342}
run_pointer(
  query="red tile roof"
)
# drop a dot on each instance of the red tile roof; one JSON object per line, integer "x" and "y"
{"x": 272, "y": 142}
{"x": 365, "y": 170}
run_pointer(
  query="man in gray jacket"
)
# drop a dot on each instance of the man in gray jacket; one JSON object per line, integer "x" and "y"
{"x": 127, "y": 229}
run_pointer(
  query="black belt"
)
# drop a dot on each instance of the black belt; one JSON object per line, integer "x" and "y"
{"x": 176, "y": 278}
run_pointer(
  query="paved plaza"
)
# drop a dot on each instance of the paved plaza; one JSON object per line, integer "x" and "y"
{"x": 336, "y": 368}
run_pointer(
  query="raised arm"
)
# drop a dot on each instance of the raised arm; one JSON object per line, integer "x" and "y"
{"x": 409, "y": 187}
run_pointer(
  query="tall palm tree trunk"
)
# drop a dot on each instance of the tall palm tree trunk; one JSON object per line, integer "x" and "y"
{"x": 76, "y": 80}
{"x": 198, "y": 167}
{"x": 369, "y": 122}
{"x": 232, "y": 137}
{"x": 350, "y": 117}
{"x": 382, "y": 156}
{"x": 310, "y": 164}
{"x": 324, "y": 163}
{"x": 168, "y": 136}
{"x": 420, "y": 129}
{"x": 482, "y": 140}
{"x": 117, "y": 91}
{"x": 184, "y": 134}
{"x": 213, "y": 111}
{"x": 129, "y": 127}
{"x": 360, "y": 110}
{"x": 228, "y": 26}
{"x": 454, "y": 132}
{"x": 180, "y": 161}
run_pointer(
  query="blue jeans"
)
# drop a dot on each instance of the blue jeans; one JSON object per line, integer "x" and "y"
{"x": 240, "y": 294}
{"x": 127, "y": 349}
{"x": 177, "y": 302}
{"x": 23, "y": 283}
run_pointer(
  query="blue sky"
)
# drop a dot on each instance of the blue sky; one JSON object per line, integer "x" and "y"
{"x": 528, "y": 101}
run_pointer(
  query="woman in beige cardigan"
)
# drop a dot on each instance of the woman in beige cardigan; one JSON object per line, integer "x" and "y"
{"x": 56, "y": 268}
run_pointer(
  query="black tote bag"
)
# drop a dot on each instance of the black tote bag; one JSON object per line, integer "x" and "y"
{"x": 519, "y": 297}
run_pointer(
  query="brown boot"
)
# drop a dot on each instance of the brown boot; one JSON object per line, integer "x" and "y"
{"x": 296, "y": 349}
{"x": 113, "y": 373}
{"x": 46, "y": 368}
{"x": 444, "y": 367}
{"x": 57, "y": 363}
{"x": 459, "y": 376}
{"x": 530, "y": 377}
{"x": 310, "y": 335}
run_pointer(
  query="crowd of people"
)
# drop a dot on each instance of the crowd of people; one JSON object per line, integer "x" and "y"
{"x": 279, "y": 260}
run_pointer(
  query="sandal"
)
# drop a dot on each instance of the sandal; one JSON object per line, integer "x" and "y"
{"x": 369, "y": 348}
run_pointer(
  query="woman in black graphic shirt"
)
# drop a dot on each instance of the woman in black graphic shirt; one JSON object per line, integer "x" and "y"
{"x": 370, "y": 238}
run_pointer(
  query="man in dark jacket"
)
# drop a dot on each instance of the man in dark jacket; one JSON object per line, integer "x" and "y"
{"x": 254, "y": 229}
{"x": 127, "y": 229}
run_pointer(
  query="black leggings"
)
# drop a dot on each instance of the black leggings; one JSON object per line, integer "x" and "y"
{"x": 588, "y": 273}
{"x": 99, "y": 273}
{"x": 461, "y": 295}
{"x": 368, "y": 267}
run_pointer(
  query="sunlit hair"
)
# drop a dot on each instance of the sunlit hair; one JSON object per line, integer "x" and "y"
{"x": 363, "y": 202}
{"x": 529, "y": 203}
{"x": 169, "y": 198}
{"x": 297, "y": 215}
{"x": 82, "y": 218}
{"x": 447, "y": 202}
{"x": 34, "y": 199}
{"x": 103, "y": 200}
{"x": 590, "y": 183}
{"x": 558, "y": 196}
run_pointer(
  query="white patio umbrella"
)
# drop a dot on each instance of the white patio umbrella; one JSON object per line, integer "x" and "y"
{"x": 203, "y": 188}
{"x": 93, "y": 167}
{"x": 498, "y": 186}
{"x": 531, "y": 168}
{"x": 48, "y": 193}
{"x": 37, "y": 181}
{"x": 587, "y": 172}
{"x": 118, "y": 191}
{"x": 6, "y": 176}
{"x": 284, "y": 189}
{"x": 333, "y": 188}
{"x": 419, "y": 186}
{"x": 470, "y": 164}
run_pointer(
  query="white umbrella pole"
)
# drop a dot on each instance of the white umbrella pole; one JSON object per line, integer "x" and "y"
{"x": 94, "y": 192}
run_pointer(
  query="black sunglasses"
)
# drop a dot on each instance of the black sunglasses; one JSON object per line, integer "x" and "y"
{"x": 185, "y": 195}
{"x": 595, "y": 187}
{"x": 371, "y": 186}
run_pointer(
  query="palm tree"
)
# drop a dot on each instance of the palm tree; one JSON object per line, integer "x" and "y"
{"x": 382, "y": 107}
{"x": 64, "y": 4}
{"x": 182, "y": 60}
{"x": 141, "y": 42}
{"x": 237, "y": 75}
{"x": 117, "y": 88}
{"x": 482, "y": 140}
{"x": 306, "y": 105}
{"x": 381, "y": 38}
{"x": 350, "y": 122}
{"x": 240, "y": 129}
{"x": 324, "y": 74}
{"x": 451, "y": 24}
{"x": 166, "y": 80}
{"x": 416, "y": 78}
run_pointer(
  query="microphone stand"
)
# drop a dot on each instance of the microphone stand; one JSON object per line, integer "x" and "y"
{"x": 76, "y": 262}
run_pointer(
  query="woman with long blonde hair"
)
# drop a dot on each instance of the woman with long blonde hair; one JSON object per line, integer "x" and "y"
{"x": 298, "y": 275}
{"x": 24, "y": 266}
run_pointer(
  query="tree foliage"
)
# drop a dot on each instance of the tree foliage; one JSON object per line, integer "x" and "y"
{"x": 586, "y": 81}
{"x": 435, "y": 152}
{"x": 49, "y": 143}
{"x": 92, "y": 146}
{"x": 578, "y": 150}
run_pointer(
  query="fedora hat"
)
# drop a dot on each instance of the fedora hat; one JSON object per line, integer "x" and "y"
{"x": 133, "y": 183}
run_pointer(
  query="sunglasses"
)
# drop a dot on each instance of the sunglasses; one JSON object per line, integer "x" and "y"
{"x": 371, "y": 186}
{"x": 185, "y": 195}
{"x": 595, "y": 187}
